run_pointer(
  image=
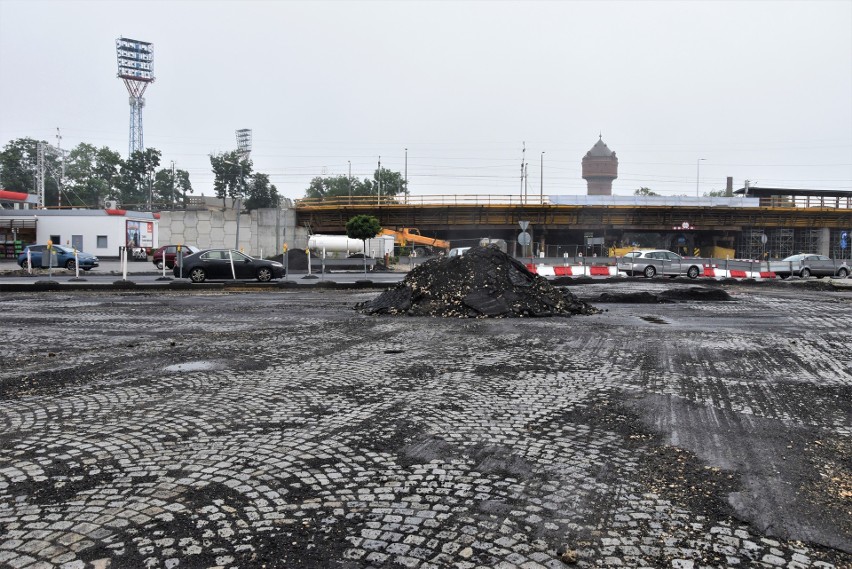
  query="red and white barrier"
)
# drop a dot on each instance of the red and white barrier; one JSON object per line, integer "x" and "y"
{"x": 573, "y": 270}
{"x": 717, "y": 273}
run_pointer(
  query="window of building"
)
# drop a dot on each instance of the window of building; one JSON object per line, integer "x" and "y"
{"x": 102, "y": 241}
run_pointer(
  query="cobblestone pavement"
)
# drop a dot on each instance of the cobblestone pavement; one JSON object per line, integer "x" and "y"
{"x": 283, "y": 429}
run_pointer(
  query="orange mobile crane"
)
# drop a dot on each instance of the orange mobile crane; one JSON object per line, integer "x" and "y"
{"x": 408, "y": 236}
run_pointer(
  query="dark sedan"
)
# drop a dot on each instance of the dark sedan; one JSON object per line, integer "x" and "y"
{"x": 224, "y": 264}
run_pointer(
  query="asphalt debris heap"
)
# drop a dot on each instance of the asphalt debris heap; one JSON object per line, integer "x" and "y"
{"x": 668, "y": 296}
{"x": 484, "y": 282}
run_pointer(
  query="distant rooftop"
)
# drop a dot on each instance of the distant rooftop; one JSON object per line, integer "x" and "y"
{"x": 761, "y": 192}
{"x": 600, "y": 149}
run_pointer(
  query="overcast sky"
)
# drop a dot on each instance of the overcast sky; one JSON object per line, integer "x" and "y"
{"x": 761, "y": 90}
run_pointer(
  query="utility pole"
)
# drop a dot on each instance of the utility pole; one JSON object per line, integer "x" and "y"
{"x": 526, "y": 181}
{"x": 379, "y": 176}
{"x": 62, "y": 174}
{"x": 173, "y": 184}
{"x": 350, "y": 181}
{"x": 406, "y": 175}
{"x": 523, "y": 158}
{"x": 542, "y": 178}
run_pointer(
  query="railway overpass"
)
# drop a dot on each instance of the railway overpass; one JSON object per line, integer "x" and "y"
{"x": 777, "y": 224}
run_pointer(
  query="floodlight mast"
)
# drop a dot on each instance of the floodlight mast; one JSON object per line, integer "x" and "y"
{"x": 136, "y": 68}
{"x": 243, "y": 150}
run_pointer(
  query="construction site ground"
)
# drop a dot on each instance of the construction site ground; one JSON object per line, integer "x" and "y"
{"x": 286, "y": 429}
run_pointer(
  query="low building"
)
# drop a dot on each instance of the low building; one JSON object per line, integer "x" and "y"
{"x": 102, "y": 232}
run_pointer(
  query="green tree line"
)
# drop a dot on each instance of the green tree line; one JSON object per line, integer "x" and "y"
{"x": 89, "y": 176}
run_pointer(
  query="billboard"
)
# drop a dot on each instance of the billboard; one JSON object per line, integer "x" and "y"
{"x": 139, "y": 234}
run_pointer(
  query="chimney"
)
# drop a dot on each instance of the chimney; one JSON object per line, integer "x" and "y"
{"x": 729, "y": 187}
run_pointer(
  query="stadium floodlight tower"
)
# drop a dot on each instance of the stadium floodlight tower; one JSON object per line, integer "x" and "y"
{"x": 243, "y": 150}
{"x": 244, "y": 143}
{"x": 136, "y": 68}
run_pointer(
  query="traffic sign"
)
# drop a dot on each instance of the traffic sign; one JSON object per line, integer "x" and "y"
{"x": 763, "y": 238}
{"x": 524, "y": 225}
{"x": 524, "y": 239}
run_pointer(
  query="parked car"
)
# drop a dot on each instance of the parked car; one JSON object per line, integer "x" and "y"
{"x": 216, "y": 264}
{"x": 170, "y": 254}
{"x": 808, "y": 264}
{"x": 458, "y": 251}
{"x": 659, "y": 262}
{"x": 64, "y": 258}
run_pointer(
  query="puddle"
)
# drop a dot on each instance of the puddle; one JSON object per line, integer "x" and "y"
{"x": 653, "y": 319}
{"x": 195, "y": 366}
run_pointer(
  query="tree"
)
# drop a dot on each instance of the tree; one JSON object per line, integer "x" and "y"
{"x": 260, "y": 193}
{"x": 643, "y": 191}
{"x": 716, "y": 194}
{"x": 171, "y": 189}
{"x": 334, "y": 187}
{"x": 107, "y": 170}
{"x": 230, "y": 171}
{"x": 18, "y": 164}
{"x": 392, "y": 184}
{"x": 136, "y": 177}
{"x": 363, "y": 227}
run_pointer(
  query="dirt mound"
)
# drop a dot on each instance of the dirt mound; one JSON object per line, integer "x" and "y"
{"x": 484, "y": 282}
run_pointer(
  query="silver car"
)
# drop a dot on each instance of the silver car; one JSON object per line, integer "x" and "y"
{"x": 808, "y": 264}
{"x": 659, "y": 262}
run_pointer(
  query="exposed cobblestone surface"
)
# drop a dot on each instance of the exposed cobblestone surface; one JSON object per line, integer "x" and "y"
{"x": 287, "y": 430}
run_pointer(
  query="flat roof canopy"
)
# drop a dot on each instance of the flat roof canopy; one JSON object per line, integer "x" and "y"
{"x": 759, "y": 192}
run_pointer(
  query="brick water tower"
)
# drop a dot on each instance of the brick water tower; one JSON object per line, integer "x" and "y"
{"x": 600, "y": 168}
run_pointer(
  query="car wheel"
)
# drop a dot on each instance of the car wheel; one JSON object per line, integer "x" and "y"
{"x": 264, "y": 274}
{"x": 70, "y": 265}
{"x": 160, "y": 265}
{"x": 650, "y": 271}
{"x": 842, "y": 273}
{"x": 693, "y": 272}
{"x": 25, "y": 265}
{"x": 197, "y": 275}
{"x": 805, "y": 273}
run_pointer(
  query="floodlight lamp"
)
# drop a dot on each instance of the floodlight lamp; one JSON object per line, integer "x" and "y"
{"x": 135, "y": 60}
{"x": 244, "y": 141}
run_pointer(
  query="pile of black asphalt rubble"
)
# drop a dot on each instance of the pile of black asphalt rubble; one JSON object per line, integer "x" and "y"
{"x": 484, "y": 282}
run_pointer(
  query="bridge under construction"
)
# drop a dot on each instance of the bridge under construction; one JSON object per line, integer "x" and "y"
{"x": 764, "y": 222}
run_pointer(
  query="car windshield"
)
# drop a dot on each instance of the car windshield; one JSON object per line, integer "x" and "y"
{"x": 794, "y": 258}
{"x": 633, "y": 254}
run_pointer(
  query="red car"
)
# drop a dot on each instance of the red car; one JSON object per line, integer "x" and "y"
{"x": 170, "y": 253}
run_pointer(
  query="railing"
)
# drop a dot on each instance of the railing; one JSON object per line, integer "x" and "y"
{"x": 574, "y": 200}
{"x": 449, "y": 199}
{"x": 794, "y": 202}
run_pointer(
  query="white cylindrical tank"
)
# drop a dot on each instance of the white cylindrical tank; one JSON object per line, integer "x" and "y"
{"x": 335, "y": 244}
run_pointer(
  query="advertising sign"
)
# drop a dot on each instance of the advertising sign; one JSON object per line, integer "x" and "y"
{"x": 140, "y": 234}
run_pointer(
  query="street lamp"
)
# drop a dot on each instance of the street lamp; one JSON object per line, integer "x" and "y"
{"x": 542, "y": 178}
{"x": 697, "y": 174}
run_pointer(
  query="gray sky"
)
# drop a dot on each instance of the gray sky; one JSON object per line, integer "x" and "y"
{"x": 761, "y": 90}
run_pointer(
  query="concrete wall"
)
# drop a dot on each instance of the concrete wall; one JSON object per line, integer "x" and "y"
{"x": 262, "y": 231}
